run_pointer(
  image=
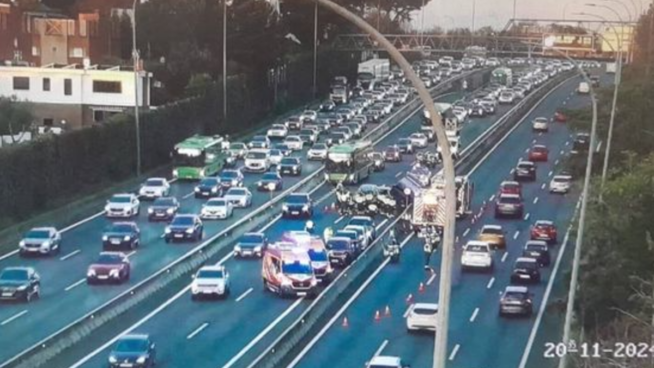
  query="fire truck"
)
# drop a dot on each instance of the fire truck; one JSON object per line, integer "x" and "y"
{"x": 429, "y": 204}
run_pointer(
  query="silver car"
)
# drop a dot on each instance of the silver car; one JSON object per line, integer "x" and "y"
{"x": 239, "y": 197}
{"x": 216, "y": 209}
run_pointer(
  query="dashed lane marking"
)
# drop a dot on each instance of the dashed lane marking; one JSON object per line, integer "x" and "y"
{"x": 69, "y": 255}
{"x": 490, "y": 283}
{"x": 454, "y": 351}
{"x": 474, "y": 315}
{"x": 242, "y": 296}
{"x": 504, "y": 257}
{"x": 197, "y": 331}
{"x": 74, "y": 285}
{"x": 13, "y": 318}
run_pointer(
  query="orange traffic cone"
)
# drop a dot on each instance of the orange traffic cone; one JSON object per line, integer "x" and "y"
{"x": 377, "y": 316}
{"x": 345, "y": 323}
{"x": 421, "y": 288}
{"x": 409, "y": 299}
{"x": 387, "y": 311}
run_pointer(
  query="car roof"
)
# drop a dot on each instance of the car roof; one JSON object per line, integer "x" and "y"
{"x": 477, "y": 242}
{"x": 526, "y": 259}
{"x": 494, "y": 227}
{"x": 509, "y": 195}
{"x": 516, "y": 289}
{"x": 136, "y": 336}
{"x": 212, "y": 268}
{"x": 563, "y": 177}
{"x": 539, "y": 146}
{"x": 123, "y": 195}
{"x": 385, "y": 361}
{"x": 367, "y": 218}
{"x": 31, "y": 269}
{"x": 510, "y": 182}
{"x": 426, "y": 305}
{"x": 156, "y": 178}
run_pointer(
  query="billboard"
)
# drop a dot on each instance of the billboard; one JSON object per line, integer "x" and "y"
{"x": 571, "y": 42}
{"x": 613, "y": 36}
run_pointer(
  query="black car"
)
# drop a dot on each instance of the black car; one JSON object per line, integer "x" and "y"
{"x": 231, "y": 160}
{"x": 595, "y": 80}
{"x": 327, "y": 106}
{"x": 121, "y": 235}
{"x": 184, "y": 227}
{"x": 581, "y": 143}
{"x": 333, "y": 119}
{"x": 270, "y": 181}
{"x": 136, "y": 351}
{"x": 525, "y": 270}
{"x": 341, "y": 251}
{"x": 163, "y": 209}
{"x": 298, "y": 205}
{"x": 393, "y": 154}
{"x": 525, "y": 171}
{"x": 477, "y": 110}
{"x": 335, "y": 138}
{"x": 231, "y": 178}
{"x": 19, "y": 284}
{"x": 250, "y": 244}
{"x": 209, "y": 187}
{"x": 516, "y": 300}
{"x": 539, "y": 250}
{"x": 283, "y": 148}
{"x": 290, "y": 166}
{"x": 378, "y": 161}
{"x": 372, "y": 116}
{"x": 354, "y": 237}
{"x": 405, "y": 146}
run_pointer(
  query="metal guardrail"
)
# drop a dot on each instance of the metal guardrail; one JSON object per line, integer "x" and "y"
{"x": 292, "y": 340}
{"x": 49, "y": 347}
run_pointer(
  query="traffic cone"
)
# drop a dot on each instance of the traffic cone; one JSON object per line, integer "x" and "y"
{"x": 345, "y": 323}
{"x": 421, "y": 288}
{"x": 387, "y": 311}
{"x": 409, "y": 299}
{"x": 377, "y": 316}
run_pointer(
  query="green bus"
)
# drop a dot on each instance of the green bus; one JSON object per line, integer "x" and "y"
{"x": 349, "y": 163}
{"x": 503, "y": 76}
{"x": 198, "y": 157}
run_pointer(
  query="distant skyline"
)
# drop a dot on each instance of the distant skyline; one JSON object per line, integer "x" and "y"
{"x": 496, "y": 13}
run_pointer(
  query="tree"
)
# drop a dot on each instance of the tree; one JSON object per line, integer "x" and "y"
{"x": 16, "y": 118}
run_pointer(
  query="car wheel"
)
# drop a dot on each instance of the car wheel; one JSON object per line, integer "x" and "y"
{"x": 167, "y": 240}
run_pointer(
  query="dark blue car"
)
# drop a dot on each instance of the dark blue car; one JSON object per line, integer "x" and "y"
{"x": 163, "y": 209}
{"x": 270, "y": 181}
{"x": 184, "y": 227}
{"x": 250, "y": 245}
{"x": 290, "y": 166}
{"x": 209, "y": 187}
{"x": 121, "y": 235}
{"x": 297, "y": 205}
{"x": 136, "y": 351}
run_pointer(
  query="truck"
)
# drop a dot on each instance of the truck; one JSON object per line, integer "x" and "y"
{"x": 452, "y": 124}
{"x": 373, "y": 70}
{"x": 611, "y": 68}
{"x": 503, "y": 76}
{"x": 429, "y": 204}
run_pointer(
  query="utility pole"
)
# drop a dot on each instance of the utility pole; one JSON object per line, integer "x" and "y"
{"x": 650, "y": 36}
{"x": 135, "y": 57}
{"x": 315, "y": 51}
{"x": 225, "y": 4}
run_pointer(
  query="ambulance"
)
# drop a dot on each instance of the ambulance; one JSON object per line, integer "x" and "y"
{"x": 315, "y": 247}
{"x": 287, "y": 271}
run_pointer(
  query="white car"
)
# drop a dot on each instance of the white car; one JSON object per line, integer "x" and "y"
{"x": 239, "y": 197}
{"x": 506, "y": 97}
{"x": 210, "y": 281}
{"x": 277, "y": 131}
{"x": 309, "y": 115}
{"x": 560, "y": 184}
{"x": 155, "y": 188}
{"x": 386, "y": 362}
{"x": 40, "y": 240}
{"x": 275, "y": 156}
{"x": 454, "y": 145}
{"x": 461, "y": 113}
{"x": 294, "y": 142}
{"x": 238, "y": 149}
{"x": 257, "y": 160}
{"x": 426, "y": 81}
{"x": 418, "y": 140}
{"x": 122, "y": 205}
{"x": 318, "y": 152}
{"x": 477, "y": 255}
{"x": 540, "y": 124}
{"x": 422, "y": 316}
{"x": 216, "y": 209}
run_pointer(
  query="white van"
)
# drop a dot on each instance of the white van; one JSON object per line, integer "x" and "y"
{"x": 583, "y": 88}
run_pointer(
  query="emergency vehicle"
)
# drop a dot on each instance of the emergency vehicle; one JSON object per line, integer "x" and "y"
{"x": 317, "y": 251}
{"x": 287, "y": 271}
{"x": 429, "y": 204}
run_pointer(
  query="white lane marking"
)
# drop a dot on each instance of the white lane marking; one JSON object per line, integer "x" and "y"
{"x": 398, "y": 174}
{"x": 162, "y": 236}
{"x": 130, "y": 254}
{"x": 546, "y": 296}
{"x": 474, "y": 315}
{"x": 550, "y": 173}
{"x": 14, "y": 317}
{"x": 74, "y": 285}
{"x": 263, "y": 333}
{"x": 535, "y": 200}
{"x": 271, "y": 223}
{"x": 556, "y": 162}
{"x": 465, "y": 233}
{"x": 567, "y": 143}
{"x": 564, "y": 102}
{"x": 540, "y": 134}
{"x": 431, "y": 279}
{"x": 408, "y": 310}
{"x": 454, "y": 351}
{"x": 197, "y": 331}
{"x": 527, "y": 217}
{"x": 561, "y": 152}
{"x": 527, "y": 150}
{"x": 490, "y": 283}
{"x": 511, "y": 172}
{"x": 340, "y": 312}
{"x": 534, "y": 140}
{"x": 515, "y": 235}
{"x": 381, "y": 348}
{"x": 542, "y": 186}
{"x": 188, "y": 195}
{"x": 71, "y": 254}
{"x": 491, "y": 198}
{"x": 242, "y": 296}
{"x": 339, "y": 219}
{"x": 599, "y": 146}
{"x": 504, "y": 257}
{"x": 381, "y": 224}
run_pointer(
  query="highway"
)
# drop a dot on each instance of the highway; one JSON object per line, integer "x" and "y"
{"x": 220, "y": 333}
{"x": 478, "y": 337}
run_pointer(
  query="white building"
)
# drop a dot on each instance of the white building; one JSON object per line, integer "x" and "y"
{"x": 74, "y": 96}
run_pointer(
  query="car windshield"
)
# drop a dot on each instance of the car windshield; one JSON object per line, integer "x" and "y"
{"x": 256, "y": 155}
{"x": 270, "y": 176}
{"x": 510, "y": 200}
{"x": 512, "y": 295}
{"x": 319, "y": 147}
{"x": 251, "y": 238}
{"x": 368, "y": 189}
{"x": 209, "y": 181}
{"x": 38, "y": 234}
{"x": 318, "y": 255}
{"x": 13, "y": 275}
{"x": 292, "y": 139}
{"x": 275, "y": 153}
{"x": 216, "y": 203}
{"x": 477, "y": 248}
{"x": 297, "y": 199}
{"x": 535, "y": 247}
{"x": 229, "y": 175}
{"x": 120, "y": 228}
{"x": 236, "y": 191}
{"x": 491, "y": 230}
{"x": 128, "y": 345}
{"x": 525, "y": 264}
{"x": 210, "y": 274}
{"x": 507, "y": 94}
{"x": 289, "y": 161}
{"x": 154, "y": 182}
{"x": 348, "y": 234}
{"x": 338, "y": 244}
{"x": 182, "y": 220}
{"x": 391, "y": 149}
{"x": 425, "y": 311}
{"x": 297, "y": 267}
{"x": 259, "y": 138}
{"x": 237, "y": 146}
{"x": 120, "y": 199}
{"x": 163, "y": 202}
{"x": 376, "y": 156}
{"x": 107, "y": 259}
{"x": 525, "y": 166}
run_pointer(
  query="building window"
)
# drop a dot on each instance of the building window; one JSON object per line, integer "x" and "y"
{"x": 35, "y": 51}
{"x": 98, "y": 116}
{"x": 46, "y": 84}
{"x": 68, "y": 87}
{"x": 77, "y": 52}
{"x": 107, "y": 87}
{"x": 82, "y": 28}
{"x": 71, "y": 28}
{"x": 21, "y": 83}
{"x": 48, "y": 122}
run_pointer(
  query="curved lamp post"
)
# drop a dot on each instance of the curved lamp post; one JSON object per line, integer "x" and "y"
{"x": 440, "y": 347}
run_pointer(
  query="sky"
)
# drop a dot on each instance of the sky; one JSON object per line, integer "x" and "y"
{"x": 496, "y": 13}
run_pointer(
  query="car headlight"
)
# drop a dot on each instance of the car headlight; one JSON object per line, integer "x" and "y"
{"x": 141, "y": 359}
{"x": 285, "y": 207}
{"x": 167, "y": 231}
{"x": 175, "y": 173}
{"x": 305, "y": 208}
{"x": 22, "y": 288}
{"x": 214, "y": 190}
{"x": 107, "y": 209}
{"x": 45, "y": 244}
{"x": 90, "y": 273}
{"x": 237, "y": 248}
{"x": 105, "y": 238}
{"x": 127, "y": 238}
{"x": 197, "y": 189}
{"x": 314, "y": 282}
{"x": 234, "y": 182}
{"x": 202, "y": 173}
{"x": 150, "y": 211}
{"x": 258, "y": 249}
{"x": 189, "y": 230}
{"x": 22, "y": 243}
{"x": 113, "y": 360}
{"x": 113, "y": 273}
{"x": 286, "y": 283}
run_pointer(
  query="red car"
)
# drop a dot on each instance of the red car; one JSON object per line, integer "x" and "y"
{"x": 538, "y": 153}
{"x": 110, "y": 267}
{"x": 544, "y": 230}
{"x": 560, "y": 117}
{"x": 511, "y": 187}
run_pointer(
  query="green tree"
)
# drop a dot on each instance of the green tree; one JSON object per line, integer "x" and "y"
{"x": 16, "y": 118}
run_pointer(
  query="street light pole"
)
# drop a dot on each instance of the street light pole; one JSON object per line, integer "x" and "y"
{"x": 472, "y": 29}
{"x": 515, "y": 3}
{"x": 225, "y": 60}
{"x": 135, "y": 57}
{"x": 315, "y": 52}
